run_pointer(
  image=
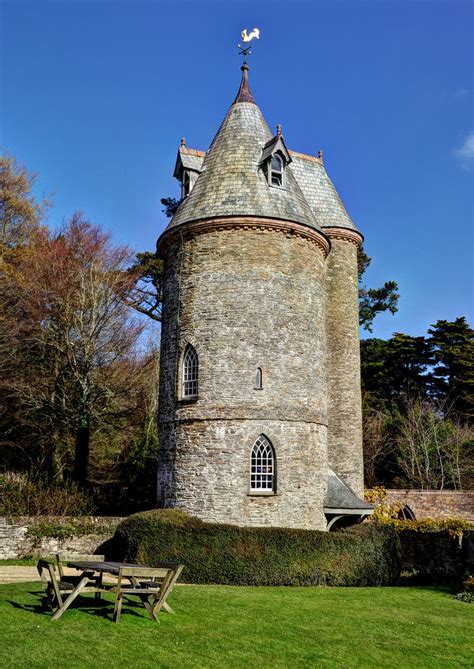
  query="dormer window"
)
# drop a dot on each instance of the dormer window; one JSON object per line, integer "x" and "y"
{"x": 274, "y": 160}
{"x": 276, "y": 172}
{"x": 185, "y": 185}
{"x": 188, "y": 167}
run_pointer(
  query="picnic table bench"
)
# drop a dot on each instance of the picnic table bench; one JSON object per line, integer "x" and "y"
{"x": 151, "y": 584}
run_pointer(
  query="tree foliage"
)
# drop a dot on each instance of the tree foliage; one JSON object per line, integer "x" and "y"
{"x": 146, "y": 296}
{"x": 452, "y": 350}
{"x": 373, "y": 301}
{"x": 170, "y": 205}
{"x": 71, "y": 339}
{"x": 20, "y": 212}
{"x": 418, "y": 408}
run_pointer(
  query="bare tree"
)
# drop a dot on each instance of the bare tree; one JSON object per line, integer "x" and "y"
{"x": 433, "y": 450}
{"x": 378, "y": 442}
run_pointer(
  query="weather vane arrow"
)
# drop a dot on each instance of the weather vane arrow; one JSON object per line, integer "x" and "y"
{"x": 246, "y": 38}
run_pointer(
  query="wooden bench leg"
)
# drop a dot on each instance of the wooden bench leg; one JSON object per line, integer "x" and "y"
{"x": 118, "y": 607}
{"x": 70, "y": 599}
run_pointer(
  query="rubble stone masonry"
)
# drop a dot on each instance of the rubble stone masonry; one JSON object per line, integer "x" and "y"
{"x": 343, "y": 360}
{"x": 245, "y": 297}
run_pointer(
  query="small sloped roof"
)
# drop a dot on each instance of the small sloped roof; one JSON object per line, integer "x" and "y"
{"x": 341, "y": 497}
{"x": 274, "y": 144}
{"x": 320, "y": 193}
{"x": 188, "y": 159}
{"x": 231, "y": 182}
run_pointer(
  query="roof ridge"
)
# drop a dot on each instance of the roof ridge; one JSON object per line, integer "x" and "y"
{"x": 306, "y": 156}
{"x": 192, "y": 152}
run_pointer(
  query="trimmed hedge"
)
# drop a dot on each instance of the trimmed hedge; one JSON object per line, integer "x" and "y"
{"x": 367, "y": 554}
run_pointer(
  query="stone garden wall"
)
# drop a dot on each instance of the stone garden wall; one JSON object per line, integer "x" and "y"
{"x": 16, "y": 541}
{"x": 435, "y": 503}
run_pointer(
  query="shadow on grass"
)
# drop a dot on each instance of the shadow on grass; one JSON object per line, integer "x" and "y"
{"x": 99, "y": 607}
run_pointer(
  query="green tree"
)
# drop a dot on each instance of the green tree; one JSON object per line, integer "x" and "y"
{"x": 373, "y": 301}
{"x": 170, "y": 205}
{"x": 395, "y": 368}
{"x": 452, "y": 347}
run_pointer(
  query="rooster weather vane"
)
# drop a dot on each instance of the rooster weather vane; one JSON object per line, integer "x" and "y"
{"x": 246, "y": 38}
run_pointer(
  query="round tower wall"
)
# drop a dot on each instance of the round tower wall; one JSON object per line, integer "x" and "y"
{"x": 245, "y": 299}
{"x": 345, "y": 454}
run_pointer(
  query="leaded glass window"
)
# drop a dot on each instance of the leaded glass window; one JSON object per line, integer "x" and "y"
{"x": 190, "y": 373}
{"x": 262, "y": 466}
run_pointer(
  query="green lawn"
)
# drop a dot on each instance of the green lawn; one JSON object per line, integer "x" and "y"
{"x": 231, "y": 627}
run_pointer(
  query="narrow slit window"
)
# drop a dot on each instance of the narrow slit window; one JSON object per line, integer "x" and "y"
{"x": 262, "y": 466}
{"x": 190, "y": 373}
{"x": 276, "y": 172}
{"x": 258, "y": 379}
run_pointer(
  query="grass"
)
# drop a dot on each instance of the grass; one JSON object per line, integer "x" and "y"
{"x": 220, "y": 626}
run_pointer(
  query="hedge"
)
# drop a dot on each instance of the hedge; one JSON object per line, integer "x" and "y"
{"x": 367, "y": 554}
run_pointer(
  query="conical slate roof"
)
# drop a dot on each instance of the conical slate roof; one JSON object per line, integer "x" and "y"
{"x": 320, "y": 193}
{"x": 232, "y": 183}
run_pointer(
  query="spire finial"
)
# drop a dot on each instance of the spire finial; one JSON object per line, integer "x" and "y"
{"x": 279, "y": 130}
{"x": 244, "y": 94}
{"x": 183, "y": 141}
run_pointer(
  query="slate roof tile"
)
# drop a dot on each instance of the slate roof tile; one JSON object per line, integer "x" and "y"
{"x": 231, "y": 182}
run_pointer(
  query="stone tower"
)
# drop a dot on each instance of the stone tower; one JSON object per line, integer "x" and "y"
{"x": 259, "y": 411}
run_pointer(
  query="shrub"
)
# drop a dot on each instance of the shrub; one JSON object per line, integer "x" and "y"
{"x": 227, "y": 554}
{"x": 23, "y": 496}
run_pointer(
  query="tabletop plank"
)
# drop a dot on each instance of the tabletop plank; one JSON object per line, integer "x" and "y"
{"x": 114, "y": 567}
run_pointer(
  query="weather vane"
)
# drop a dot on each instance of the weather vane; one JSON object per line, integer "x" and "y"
{"x": 246, "y": 38}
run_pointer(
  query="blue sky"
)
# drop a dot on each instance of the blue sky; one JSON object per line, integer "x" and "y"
{"x": 95, "y": 97}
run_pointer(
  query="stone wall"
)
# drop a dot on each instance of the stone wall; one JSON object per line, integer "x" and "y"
{"x": 15, "y": 542}
{"x": 436, "y": 503}
{"x": 244, "y": 298}
{"x": 343, "y": 364}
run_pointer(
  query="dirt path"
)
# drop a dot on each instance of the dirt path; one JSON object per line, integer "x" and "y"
{"x": 18, "y": 574}
{"x": 29, "y": 574}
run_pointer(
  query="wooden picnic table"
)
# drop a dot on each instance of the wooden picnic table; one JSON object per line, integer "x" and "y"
{"x": 168, "y": 571}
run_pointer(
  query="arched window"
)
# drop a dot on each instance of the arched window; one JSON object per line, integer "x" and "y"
{"x": 258, "y": 379}
{"x": 190, "y": 373}
{"x": 262, "y": 466}
{"x": 276, "y": 172}
{"x": 406, "y": 513}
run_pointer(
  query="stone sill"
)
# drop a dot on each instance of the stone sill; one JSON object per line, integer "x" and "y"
{"x": 262, "y": 494}
{"x": 188, "y": 400}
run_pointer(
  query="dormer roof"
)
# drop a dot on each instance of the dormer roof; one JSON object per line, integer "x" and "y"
{"x": 187, "y": 159}
{"x": 274, "y": 145}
